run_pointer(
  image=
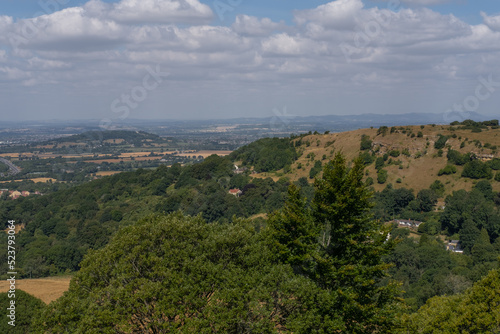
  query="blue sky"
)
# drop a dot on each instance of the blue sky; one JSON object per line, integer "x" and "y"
{"x": 467, "y": 10}
{"x": 98, "y": 59}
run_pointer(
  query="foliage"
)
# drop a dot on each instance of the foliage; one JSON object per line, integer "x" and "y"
{"x": 351, "y": 248}
{"x": 457, "y": 158}
{"x": 476, "y": 169}
{"x": 448, "y": 170}
{"x": 268, "y": 154}
{"x": 26, "y": 307}
{"x": 315, "y": 170}
{"x": 382, "y": 130}
{"x": 339, "y": 247}
{"x": 438, "y": 188}
{"x": 379, "y": 163}
{"x": 366, "y": 143}
{"x": 179, "y": 274}
{"x": 494, "y": 164}
{"x": 477, "y": 310}
{"x": 382, "y": 176}
{"x": 394, "y": 153}
{"x": 441, "y": 142}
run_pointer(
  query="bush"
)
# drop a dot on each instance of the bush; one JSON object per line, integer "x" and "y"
{"x": 366, "y": 143}
{"x": 379, "y": 163}
{"x": 382, "y": 130}
{"x": 457, "y": 158}
{"x": 477, "y": 170}
{"x": 369, "y": 181}
{"x": 382, "y": 176}
{"x": 448, "y": 170}
{"x": 441, "y": 142}
{"x": 494, "y": 164}
{"x": 394, "y": 153}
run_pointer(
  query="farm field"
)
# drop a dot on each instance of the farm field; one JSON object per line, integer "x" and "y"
{"x": 204, "y": 154}
{"x": 47, "y": 289}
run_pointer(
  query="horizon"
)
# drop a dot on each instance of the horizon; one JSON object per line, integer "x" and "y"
{"x": 118, "y": 60}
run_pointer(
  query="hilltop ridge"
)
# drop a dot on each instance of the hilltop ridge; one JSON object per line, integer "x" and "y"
{"x": 412, "y": 158}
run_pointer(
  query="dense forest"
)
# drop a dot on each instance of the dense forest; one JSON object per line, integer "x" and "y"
{"x": 324, "y": 256}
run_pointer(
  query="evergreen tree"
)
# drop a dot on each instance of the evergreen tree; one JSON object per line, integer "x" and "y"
{"x": 351, "y": 245}
{"x": 292, "y": 232}
{"x": 468, "y": 235}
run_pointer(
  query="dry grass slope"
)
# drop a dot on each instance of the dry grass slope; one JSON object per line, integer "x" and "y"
{"x": 415, "y": 172}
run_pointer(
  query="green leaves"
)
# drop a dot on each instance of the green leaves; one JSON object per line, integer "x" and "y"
{"x": 475, "y": 311}
{"x": 339, "y": 248}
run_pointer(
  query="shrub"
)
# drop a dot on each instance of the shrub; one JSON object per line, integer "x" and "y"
{"x": 449, "y": 169}
{"x": 441, "y": 142}
{"x": 477, "y": 170}
{"x": 382, "y": 130}
{"x": 394, "y": 153}
{"x": 382, "y": 176}
{"x": 366, "y": 143}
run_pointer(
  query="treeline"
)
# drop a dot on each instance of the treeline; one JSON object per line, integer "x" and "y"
{"x": 476, "y": 126}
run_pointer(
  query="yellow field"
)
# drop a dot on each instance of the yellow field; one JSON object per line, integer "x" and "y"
{"x": 43, "y": 180}
{"x": 46, "y": 289}
{"x": 107, "y": 173}
{"x": 205, "y": 154}
{"x": 134, "y": 154}
{"x": 114, "y": 141}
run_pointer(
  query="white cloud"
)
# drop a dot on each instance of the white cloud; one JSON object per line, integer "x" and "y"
{"x": 338, "y": 14}
{"x": 161, "y": 11}
{"x": 493, "y": 22}
{"x": 253, "y": 26}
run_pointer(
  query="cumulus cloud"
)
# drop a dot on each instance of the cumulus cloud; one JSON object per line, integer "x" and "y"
{"x": 493, "y": 22}
{"x": 253, "y": 26}
{"x": 340, "y": 14}
{"x": 161, "y": 11}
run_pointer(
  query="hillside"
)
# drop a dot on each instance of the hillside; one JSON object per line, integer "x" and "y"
{"x": 418, "y": 162}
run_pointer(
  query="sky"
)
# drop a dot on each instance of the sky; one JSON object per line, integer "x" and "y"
{"x": 112, "y": 60}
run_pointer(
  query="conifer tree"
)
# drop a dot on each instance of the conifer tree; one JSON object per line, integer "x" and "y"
{"x": 344, "y": 258}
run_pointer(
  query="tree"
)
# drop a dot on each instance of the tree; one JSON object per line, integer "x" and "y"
{"x": 382, "y": 176}
{"x": 427, "y": 199}
{"x": 441, "y": 142}
{"x": 483, "y": 251}
{"x": 469, "y": 235}
{"x": 292, "y": 232}
{"x": 26, "y": 308}
{"x": 351, "y": 246}
{"x": 179, "y": 274}
{"x": 477, "y": 310}
{"x": 476, "y": 169}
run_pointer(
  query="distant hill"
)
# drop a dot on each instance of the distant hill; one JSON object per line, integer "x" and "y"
{"x": 101, "y": 136}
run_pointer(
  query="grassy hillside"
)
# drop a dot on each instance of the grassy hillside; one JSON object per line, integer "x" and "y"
{"x": 417, "y": 170}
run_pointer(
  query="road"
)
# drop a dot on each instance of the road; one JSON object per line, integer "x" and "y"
{"x": 13, "y": 168}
